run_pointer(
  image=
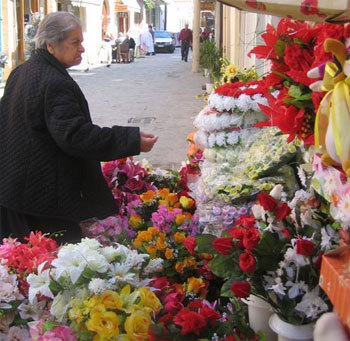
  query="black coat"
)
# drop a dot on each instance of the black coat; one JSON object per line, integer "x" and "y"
{"x": 50, "y": 151}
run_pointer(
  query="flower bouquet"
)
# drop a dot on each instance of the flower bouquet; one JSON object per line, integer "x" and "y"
{"x": 276, "y": 254}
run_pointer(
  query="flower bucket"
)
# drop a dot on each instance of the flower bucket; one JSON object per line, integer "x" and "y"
{"x": 259, "y": 313}
{"x": 290, "y": 332}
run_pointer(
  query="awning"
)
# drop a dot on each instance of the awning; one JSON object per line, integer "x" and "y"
{"x": 337, "y": 11}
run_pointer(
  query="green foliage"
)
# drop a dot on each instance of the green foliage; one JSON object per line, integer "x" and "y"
{"x": 210, "y": 58}
{"x": 150, "y": 4}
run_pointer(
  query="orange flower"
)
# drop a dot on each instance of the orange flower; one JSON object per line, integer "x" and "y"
{"x": 179, "y": 219}
{"x": 195, "y": 284}
{"x": 163, "y": 192}
{"x": 206, "y": 256}
{"x": 137, "y": 243}
{"x": 192, "y": 149}
{"x": 188, "y": 215}
{"x": 179, "y": 267}
{"x": 135, "y": 221}
{"x": 169, "y": 253}
{"x": 151, "y": 249}
{"x": 190, "y": 136}
{"x": 190, "y": 262}
{"x": 179, "y": 237}
{"x": 145, "y": 236}
{"x": 172, "y": 199}
{"x": 148, "y": 196}
{"x": 153, "y": 231}
{"x": 160, "y": 244}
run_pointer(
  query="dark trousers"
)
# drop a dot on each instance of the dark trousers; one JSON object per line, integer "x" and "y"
{"x": 185, "y": 46}
{"x": 18, "y": 225}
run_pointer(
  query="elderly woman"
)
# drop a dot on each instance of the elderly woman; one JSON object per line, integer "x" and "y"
{"x": 50, "y": 151}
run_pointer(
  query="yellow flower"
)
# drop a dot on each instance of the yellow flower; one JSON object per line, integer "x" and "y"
{"x": 111, "y": 300}
{"x": 179, "y": 237}
{"x": 179, "y": 267}
{"x": 148, "y": 196}
{"x": 137, "y": 325}
{"x": 169, "y": 253}
{"x": 151, "y": 249}
{"x": 129, "y": 298}
{"x": 135, "y": 221}
{"x": 149, "y": 299}
{"x": 190, "y": 262}
{"x": 231, "y": 69}
{"x": 105, "y": 324}
{"x": 186, "y": 202}
{"x": 179, "y": 219}
{"x": 195, "y": 285}
{"x": 77, "y": 311}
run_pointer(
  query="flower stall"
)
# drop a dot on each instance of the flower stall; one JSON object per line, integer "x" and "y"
{"x": 243, "y": 225}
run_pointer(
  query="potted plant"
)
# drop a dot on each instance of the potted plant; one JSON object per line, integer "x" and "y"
{"x": 210, "y": 61}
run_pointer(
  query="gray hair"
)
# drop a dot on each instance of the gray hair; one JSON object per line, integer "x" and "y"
{"x": 55, "y": 28}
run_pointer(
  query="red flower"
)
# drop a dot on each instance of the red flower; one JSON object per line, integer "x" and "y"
{"x": 229, "y": 338}
{"x": 240, "y": 289}
{"x": 255, "y": 4}
{"x": 195, "y": 304}
{"x": 282, "y": 211}
{"x": 190, "y": 321}
{"x": 267, "y": 201}
{"x": 222, "y": 245}
{"x": 305, "y": 247}
{"x": 309, "y": 7}
{"x": 247, "y": 262}
{"x": 209, "y": 314}
{"x": 251, "y": 239}
{"x": 190, "y": 244}
{"x": 318, "y": 261}
{"x": 247, "y": 221}
{"x": 238, "y": 233}
{"x": 173, "y": 306}
{"x": 167, "y": 318}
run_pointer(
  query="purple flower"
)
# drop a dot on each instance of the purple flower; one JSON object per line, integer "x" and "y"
{"x": 216, "y": 211}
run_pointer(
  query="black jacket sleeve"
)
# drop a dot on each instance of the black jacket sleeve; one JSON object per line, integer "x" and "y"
{"x": 69, "y": 123}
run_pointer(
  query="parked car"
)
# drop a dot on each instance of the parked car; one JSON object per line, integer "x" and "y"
{"x": 164, "y": 42}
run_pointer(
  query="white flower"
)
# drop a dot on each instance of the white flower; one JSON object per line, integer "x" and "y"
{"x": 292, "y": 256}
{"x": 344, "y": 205}
{"x": 89, "y": 243}
{"x": 279, "y": 288}
{"x": 109, "y": 252}
{"x": 98, "y": 285}
{"x": 276, "y": 192}
{"x": 96, "y": 262}
{"x": 302, "y": 176}
{"x": 232, "y": 138}
{"x": 296, "y": 288}
{"x": 120, "y": 273}
{"x": 312, "y": 304}
{"x": 17, "y": 333}
{"x": 32, "y": 310}
{"x": 61, "y": 303}
{"x": 154, "y": 265}
{"x": 39, "y": 284}
{"x": 220, "y": 139}
{"x": 258, "y": 212}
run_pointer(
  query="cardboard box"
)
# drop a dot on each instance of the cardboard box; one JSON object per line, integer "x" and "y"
{"x": 335, "y": 281}
{"x": 312, "y": 10}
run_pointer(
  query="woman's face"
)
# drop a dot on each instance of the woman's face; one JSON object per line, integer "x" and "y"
{"x": 70, "y": 50}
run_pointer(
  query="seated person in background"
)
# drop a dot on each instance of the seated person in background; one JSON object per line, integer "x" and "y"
{"x": 132, "y": 45}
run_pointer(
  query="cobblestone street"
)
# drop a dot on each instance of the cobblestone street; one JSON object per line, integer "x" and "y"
{"x": 157, "y": 93}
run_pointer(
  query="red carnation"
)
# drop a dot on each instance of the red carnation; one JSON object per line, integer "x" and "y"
{"x": 282, "y": 211}
{"x": 209, "y": 314}
{"x": 247, "y": 221}
{"x": 305, "y": 247}
{"x": 251, "y": 239}
{"x": 267, "y": 201}
{"x": 190, "y": 243}
{"x": 222, "y": 245}
{"x": 240, "y": 289}
{"x": 190, "y": 321}
{"x": 247, "y": 262}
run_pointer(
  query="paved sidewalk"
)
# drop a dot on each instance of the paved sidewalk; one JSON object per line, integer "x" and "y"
{"x": 157, "y": 93}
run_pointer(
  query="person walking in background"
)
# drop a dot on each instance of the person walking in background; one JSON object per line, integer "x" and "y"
{"x": 185, "y": 37}
{"x": 50, "y": 150}
{"x": 150, "y": 29}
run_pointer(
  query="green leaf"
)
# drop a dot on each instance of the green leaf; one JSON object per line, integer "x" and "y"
{"x": 295, "y": 91}
{"x": 205, "y": 243}
{"x": 48, "y": 325}
{"x": 280, "y": 47}
{"x": 84, "y": 335}
{"x": 223, "y": 266}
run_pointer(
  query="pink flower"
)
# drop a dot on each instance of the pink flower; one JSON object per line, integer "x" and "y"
{"x": 17, "y": 333}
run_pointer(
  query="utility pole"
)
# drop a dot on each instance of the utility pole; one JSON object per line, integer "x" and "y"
{"x": 195, "y": 42}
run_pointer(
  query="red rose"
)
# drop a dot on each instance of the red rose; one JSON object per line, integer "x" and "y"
{"x": 190, "y": 243}
{"x": 305, "y": 247}
{"x": 251, "y": 239}
{"x": 190, "y": 321}
{"x": 160, "y": 283}
{"x": 195, "y": 304}
{"x": 267, "y": 201}
{"x": 173, "y": 306}
{"x": 282, "y": 211}
{"x": 222, "y": 245}
{"x": 134, "y": 184}
{"x": 247, "y": 262}
{"x": 209, "y": 314}
{"x": 247, "y": 221}
{"x": 240, "y": 289}
{"x": 238, "y": 233}
{"x": 167, "y": 318}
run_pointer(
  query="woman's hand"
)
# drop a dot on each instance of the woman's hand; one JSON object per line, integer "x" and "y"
{"x": 147, "y": 141}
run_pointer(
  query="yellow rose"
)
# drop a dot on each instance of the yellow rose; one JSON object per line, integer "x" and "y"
{"x": 179, "y": 219}
{"x": 105, "y": 324}
{"x": 149, "y": 299}
{"x": 111, "y": 300}
{"x": 137, "y": 325}
{"x": 186, "y": 202}
{"x": 135, "y": 221}
{"x": 169, "y": 253}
